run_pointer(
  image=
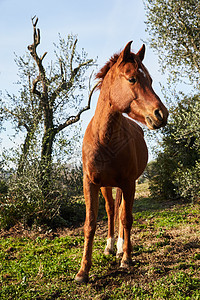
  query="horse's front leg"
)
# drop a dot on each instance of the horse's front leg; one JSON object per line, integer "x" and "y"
{"x": 107, "y": 193}
{"x": 127, "y": 221}
{"x": 92, "y": 202}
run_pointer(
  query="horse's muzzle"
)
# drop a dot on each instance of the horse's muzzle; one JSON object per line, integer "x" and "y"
{"x": 156, "y": 121}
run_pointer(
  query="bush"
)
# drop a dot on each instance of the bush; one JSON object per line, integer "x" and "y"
{"x": 161, "y": 182}
{"x": 3, "y": 187}
{"x": 26, "y": 202}
{"x": 187, "y": 181}
{"x": 176, "y": 169}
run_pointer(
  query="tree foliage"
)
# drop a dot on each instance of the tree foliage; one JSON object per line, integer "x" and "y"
{"x": 50, "y": 98}
{"x": 175, "y": 172}
{"x": 49, "y": 101}
{"x": 175, "y": 35}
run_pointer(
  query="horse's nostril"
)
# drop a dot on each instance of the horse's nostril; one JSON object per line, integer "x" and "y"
{"x": 158, "y": 114}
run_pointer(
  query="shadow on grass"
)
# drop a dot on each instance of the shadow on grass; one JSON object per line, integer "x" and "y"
{"x": 72, "y": 214}
{"x": 114, "y": 277}
{"x": 152, "y": 204}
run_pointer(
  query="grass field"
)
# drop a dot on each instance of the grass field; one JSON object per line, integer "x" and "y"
{"x": 166, "y": 258}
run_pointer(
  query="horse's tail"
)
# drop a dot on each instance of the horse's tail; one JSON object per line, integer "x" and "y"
{"x": 118, "y": 201}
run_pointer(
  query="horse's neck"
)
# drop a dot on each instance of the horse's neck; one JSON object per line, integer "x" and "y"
{"x": 105, "y": 120}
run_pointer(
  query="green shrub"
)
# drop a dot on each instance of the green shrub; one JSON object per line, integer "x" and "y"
{"x": 26, "y": 202}
{"x": 3, "y": 187}
{"x": 176, "y": 170}
{"x": 161, "y": 182}
{"x": 187, "y": 181}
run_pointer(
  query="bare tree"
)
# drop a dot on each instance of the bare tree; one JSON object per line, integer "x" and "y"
{"x": 54, "y": 91}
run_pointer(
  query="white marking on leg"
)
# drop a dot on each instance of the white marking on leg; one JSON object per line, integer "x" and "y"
{"x": 120, "y": 243}
{"x": 110, "y": 243}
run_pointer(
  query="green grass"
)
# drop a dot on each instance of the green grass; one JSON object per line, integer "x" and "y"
{"x": 166, "y": 256}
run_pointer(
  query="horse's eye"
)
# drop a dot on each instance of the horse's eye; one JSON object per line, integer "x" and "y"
{"x": 132, "y": 80}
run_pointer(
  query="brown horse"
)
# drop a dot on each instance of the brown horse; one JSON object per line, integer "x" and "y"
{"x": 114, "y": 149}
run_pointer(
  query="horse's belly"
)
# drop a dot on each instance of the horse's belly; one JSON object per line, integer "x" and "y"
{"x": 106, "y": 170}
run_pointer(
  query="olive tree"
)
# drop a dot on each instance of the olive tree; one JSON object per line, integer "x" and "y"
{"x": 173, "y": 27}
{"x": 174, "y": 34}
{"x": 50, "y": 100}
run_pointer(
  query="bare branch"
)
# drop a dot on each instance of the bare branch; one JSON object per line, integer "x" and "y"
{"x": 34, "y": 23}
{"x": 61, "y": 70}
{"x": 65, "y": 86}
{"x": 43, "y": 56}
{"x": 74, "y": 119}
{"x": 75, "y": 71}
{"x": 36, "y": 39}
{"x": 34, "y": 88}
{"x": 33, "y": 51}
{"x": 72, "y": 55}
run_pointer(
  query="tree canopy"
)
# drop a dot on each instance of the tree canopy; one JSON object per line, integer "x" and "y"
{"x": 175, "y": 172}
{"x": 174, "y": 28}
{"x": 174, "y": 33}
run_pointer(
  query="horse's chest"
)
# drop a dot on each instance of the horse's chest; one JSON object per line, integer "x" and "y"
{"x": 107, "y": 164}
{"x": 111, "y": 153}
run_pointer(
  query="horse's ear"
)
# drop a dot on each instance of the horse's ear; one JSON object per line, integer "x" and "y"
{"x": 127, "y": 50}
{"x": 141, "y": 52}
{"x": 125, "y": 54}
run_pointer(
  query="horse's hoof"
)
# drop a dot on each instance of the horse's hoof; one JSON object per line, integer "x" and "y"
{"x": 119, "y": 254}
{"x": 108, "y": 251}
{"x": 82, "y": 278}
{"x": 125, "y": 264}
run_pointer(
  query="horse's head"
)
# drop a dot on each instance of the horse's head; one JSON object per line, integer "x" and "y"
{"x": 131, "y": 90}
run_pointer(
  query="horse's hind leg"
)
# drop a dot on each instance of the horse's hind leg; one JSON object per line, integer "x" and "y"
{"x": 127, "y": 220}
{"x": 118, "y": 210}
{"x": 120, "y": 240}
{"x": 92, "y": 202}
{"x": 107, "y": 193}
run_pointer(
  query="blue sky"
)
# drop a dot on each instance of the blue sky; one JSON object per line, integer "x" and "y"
{"x": 103, "y": 28}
